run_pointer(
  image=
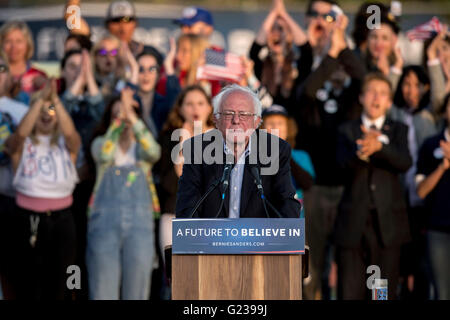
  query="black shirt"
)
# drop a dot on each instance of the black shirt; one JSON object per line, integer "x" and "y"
{"x": 438, "y": 200}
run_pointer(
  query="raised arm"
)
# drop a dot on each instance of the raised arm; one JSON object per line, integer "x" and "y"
{"x": 131, "y": 63}
{"x": 88, "y": 72}
{"x": 261, "y": 37}
{"x": 65, "y": 123}
{"x": 430, "y": 182}
{"x": 14, "y": 143}
{"x": 437, "y": 76}
{"x": 298, "y": 34}
{"x": 150, "y": 149}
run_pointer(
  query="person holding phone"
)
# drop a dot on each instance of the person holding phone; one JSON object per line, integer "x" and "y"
{"x": 43, "y": 152}
{"x": 120, "y": 236}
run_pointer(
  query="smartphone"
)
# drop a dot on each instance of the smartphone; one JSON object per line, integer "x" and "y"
{"x": 336, "y": 11}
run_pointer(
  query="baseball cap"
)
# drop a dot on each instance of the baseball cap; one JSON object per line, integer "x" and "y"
{"x": 275, "y": 109}
{"x": 119, "y": 10}
{"x": 192, "y": 15}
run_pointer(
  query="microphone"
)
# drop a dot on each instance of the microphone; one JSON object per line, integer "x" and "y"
{"x": 255, "y": 173}
{"x": 226, "y": 177}
{"x": 214, "y": 185}
{"x": 225, "y": 183}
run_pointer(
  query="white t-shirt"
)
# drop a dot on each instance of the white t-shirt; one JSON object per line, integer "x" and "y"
{"x": 45, "y": 171}
{"x": 128, "y": 158}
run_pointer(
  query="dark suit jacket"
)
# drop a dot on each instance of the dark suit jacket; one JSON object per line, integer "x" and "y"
{"x": 378, "y": 179}
{"x": 197, "y": 178}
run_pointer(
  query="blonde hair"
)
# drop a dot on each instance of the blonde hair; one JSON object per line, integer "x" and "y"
{"x": 198, "y": 46}
{"x": 23, "y": 27}
{"x": 55, "y": 134}
{"x": 97, "y": 46}
{"x": 4, "y": 57}
{"x": 110, "y": 37}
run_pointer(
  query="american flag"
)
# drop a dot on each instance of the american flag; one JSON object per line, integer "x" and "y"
{"x": 426, "y": 30}
{"x": 221, "y": 66}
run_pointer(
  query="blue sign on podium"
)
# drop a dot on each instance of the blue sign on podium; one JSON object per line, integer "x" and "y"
{"x": 238, "y": 236}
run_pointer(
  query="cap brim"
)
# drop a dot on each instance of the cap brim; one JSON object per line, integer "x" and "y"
{"x": 183, "y": 22}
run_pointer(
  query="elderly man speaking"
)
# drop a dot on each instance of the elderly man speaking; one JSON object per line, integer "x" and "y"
{"x": 236, "y": 170}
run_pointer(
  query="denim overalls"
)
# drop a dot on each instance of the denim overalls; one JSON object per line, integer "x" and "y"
{"x": 120, "y": 236}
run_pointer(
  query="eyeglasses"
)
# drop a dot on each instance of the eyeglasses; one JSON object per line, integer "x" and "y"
{"x": 328, "y": 17}
{"x": 151, "y": 69}
{"x": 104, "y": 52}
{"x": 3, "y": 68}
{"x": 122, "y": 19}
{"x": 243, "y": 116}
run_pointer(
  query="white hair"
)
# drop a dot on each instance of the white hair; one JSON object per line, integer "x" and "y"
{"x": 217, "y": 101}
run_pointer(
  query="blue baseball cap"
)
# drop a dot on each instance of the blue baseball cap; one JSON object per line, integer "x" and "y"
{"x": 274, "y": 109}
{"x": 192, "y": 15}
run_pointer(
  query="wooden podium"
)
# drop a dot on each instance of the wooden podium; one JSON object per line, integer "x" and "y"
{"x": 236, "y": 277}
{"x": 237, "y": 259}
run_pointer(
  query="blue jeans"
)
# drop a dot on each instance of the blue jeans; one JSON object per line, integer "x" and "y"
{"x": 439, "y": 251}
{"x": 120, "y": 237}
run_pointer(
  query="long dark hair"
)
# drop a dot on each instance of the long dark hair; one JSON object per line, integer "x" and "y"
{"x": 287, "y": 79}
{"x": 67, "y": 55}
{"x": 360, "y": 30}
{"x": 175, "y": 120}
{"x": 399, "y": 100}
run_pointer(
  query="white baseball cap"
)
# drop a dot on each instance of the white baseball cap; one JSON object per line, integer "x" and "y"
{"x": 120, "y": 9}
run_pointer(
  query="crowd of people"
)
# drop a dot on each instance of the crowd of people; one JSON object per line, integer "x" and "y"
{"x": 87, "y": 175}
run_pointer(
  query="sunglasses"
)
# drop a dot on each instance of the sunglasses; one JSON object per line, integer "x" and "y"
{"x": 151, "y": 69}
{"x": 122, "y": 19}
{"x": 3, "y": 68}
{"x": 328, "y": 17}
{"x": 104, "y": 52}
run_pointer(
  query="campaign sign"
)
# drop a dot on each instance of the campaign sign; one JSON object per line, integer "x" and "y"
{"x": 238, "y": 236}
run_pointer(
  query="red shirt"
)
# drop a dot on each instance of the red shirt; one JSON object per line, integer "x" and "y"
{"x": 30, "y": 81}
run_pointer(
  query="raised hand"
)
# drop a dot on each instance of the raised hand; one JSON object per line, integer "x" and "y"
{"x": 248, "y": 66}
{"x": 313, "y": 38}
{"x": 398, "y": 56}
{"x": 170, "y": 58}
{"x": 294, "y": 33}
{"x": 86, "y": 63}
{"x": 46, "y": 92}
{"x": 433, "y": 48}
{"x": 127, "y": 59}
{"x": 128, "y": 105}
{"x": 54, "y": 90}
{"x": 338, "y": 42}
{"x": 383, "y": 63}
{"x": 445, "y": 164}
{"x": 445, "y": 146}
{"x": 88, "y": 73}
{"x": 279, "y": 7}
